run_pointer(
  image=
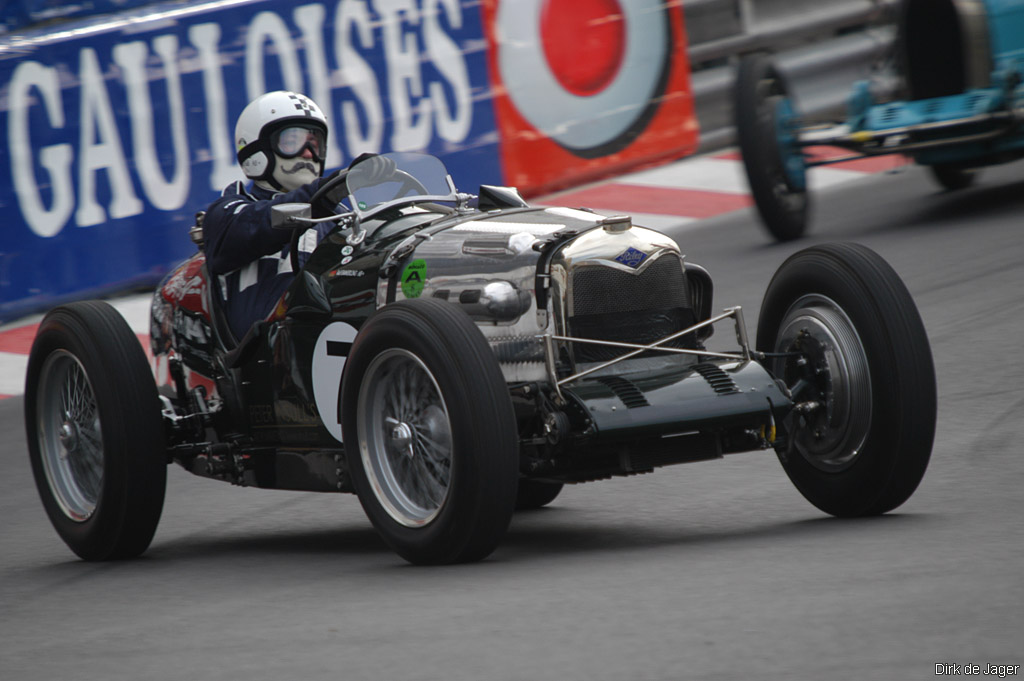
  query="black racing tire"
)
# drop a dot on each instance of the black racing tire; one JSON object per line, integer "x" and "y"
{"x": 95, "y": 432}
{"x": 430, "y": 433}
{"x": 865, "y": 449}
{"x": 536, "y": 494}
{"x": 782, "y": 203}
{"x": 953, "y": 178}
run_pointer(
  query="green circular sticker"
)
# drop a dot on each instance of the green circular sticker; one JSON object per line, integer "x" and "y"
{"x": 413, "y": 277}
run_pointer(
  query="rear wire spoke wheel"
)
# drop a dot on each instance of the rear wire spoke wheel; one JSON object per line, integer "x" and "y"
{"x": 95, "y": 433}
{"x": 859, "y": 365}
{"x": 70, "y": 438}
{"x": 430, "y": 434}
{"x": 767, "y": 128}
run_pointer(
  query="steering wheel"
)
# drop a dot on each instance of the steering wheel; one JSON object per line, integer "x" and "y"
{"x": 322, "y": 204}
{"x": 329, "y": 195}
{"x": 409, "y": 183}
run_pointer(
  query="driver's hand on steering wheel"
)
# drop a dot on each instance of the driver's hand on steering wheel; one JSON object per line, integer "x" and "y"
{"x": 332, "y": 192}
{"x": 375, "y": 169}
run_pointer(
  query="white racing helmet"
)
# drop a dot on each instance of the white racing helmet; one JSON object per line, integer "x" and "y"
{"x": 271, "y": 137}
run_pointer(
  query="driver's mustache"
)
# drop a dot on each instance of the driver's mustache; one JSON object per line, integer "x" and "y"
{"x": 301, "y": 165}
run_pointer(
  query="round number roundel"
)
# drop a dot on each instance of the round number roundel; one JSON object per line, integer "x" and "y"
{"x": 329, "y": 354}
{"x": 586, "y": 73}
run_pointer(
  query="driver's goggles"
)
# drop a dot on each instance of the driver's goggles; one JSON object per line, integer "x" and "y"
{"x": 290, "y": 142}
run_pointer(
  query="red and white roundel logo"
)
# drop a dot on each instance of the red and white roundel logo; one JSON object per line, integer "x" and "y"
{"x": 600, "y": 64}
{"x": 583, "y": 86}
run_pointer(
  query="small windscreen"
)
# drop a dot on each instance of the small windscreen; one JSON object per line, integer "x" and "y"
{"x": 376, "y": 184}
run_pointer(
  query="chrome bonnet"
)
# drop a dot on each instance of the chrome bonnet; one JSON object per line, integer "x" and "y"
{"x": 603, "y": 266}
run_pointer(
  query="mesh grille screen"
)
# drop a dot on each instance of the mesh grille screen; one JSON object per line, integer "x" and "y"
{"x": 613, "y": 305}
{"x": 598, "y": 289}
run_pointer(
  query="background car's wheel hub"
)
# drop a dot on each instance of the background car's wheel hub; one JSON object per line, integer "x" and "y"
{"x": 779, "y": 121}
{"x": 786, "y": 131}
{"x": 832, "y": 372}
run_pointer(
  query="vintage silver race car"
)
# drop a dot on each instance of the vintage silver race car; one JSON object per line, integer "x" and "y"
{"x": 450, "y": 358}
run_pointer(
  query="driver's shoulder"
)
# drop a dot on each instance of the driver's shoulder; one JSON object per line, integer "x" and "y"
{"x": 232, "y": 195}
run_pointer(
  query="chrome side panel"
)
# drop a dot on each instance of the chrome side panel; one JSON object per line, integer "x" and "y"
{"x": 488, "y": 267}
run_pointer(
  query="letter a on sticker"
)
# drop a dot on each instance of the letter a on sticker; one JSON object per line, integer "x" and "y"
{"x": 412, "y": 278}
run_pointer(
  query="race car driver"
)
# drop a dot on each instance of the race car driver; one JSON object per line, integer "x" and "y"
{"x": 281, "y": 138}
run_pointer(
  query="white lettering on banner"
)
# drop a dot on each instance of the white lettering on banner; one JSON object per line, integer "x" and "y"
{"x": 404, "y": 75}
{"x": 97, "y": 117}
{"x": 403, "y": 42}
{"x": 56, "y": 158}
{"x": 267, "y": 26}
{"x": 310, "y": 20}
{"x": 356, "y": 73}
{"x": 131, "y": 57}
{"x": 225, "y": 168}
{"x": 452, "y": 125}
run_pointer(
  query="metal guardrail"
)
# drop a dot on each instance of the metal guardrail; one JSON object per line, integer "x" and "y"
{"x": 822, "y": 45}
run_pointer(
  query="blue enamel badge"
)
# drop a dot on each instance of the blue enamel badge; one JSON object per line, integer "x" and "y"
{"x": 631, "y": 257}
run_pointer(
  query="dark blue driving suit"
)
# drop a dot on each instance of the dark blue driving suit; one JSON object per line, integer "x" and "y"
{"x": 247, "y": 258}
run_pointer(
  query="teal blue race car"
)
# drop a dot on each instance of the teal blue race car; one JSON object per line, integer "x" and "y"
{"x": 961, "y": 68}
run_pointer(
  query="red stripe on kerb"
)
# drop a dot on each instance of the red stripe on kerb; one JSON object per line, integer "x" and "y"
{"x": 865, "y": 164}
{"x": 634, "y": 198}
{"x": 18, "y": 340}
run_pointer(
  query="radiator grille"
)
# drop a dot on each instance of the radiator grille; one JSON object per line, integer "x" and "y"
{"x": 599, "y": 289}
{"x": 609, "y": 304}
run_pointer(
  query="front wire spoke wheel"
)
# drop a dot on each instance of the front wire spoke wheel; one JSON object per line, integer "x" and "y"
{"x": 409, "y": 443}
{"x": 430, "y": 433}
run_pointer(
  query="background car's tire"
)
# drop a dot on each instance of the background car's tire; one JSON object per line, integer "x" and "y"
{"x": 536, "y": 493}
{"x": 773, "y": 161}
{"x": 953, "y": 177}
{"x": 869, "y": 364}
{"x": 430, "y": 433}
{"x": 95, "y": 432}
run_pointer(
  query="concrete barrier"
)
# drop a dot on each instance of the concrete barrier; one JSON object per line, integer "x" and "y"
{"x": 823, "y": 45}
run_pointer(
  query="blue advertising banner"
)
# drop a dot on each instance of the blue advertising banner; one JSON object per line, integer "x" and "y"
{"x": 15, "y": 14}
{"x": 119, "y": 129}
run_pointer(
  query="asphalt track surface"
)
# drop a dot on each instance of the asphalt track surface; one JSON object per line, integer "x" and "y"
{"x": 716, "y": 570}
